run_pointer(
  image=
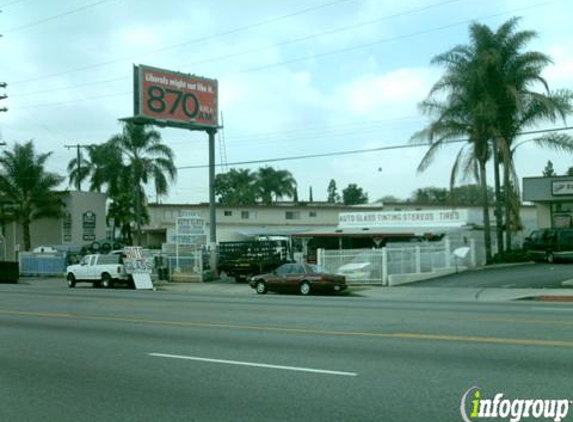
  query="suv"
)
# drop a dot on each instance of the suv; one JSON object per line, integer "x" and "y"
{"x": 550, "y": 244}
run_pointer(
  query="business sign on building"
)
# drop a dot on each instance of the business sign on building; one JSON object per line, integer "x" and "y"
{"x": 175, "y": 99}
{"x": 88, "y": 226}
{"x": 562, "y": 187}
{"x": 190, "y": 231}
{"x": 434, "y": 218}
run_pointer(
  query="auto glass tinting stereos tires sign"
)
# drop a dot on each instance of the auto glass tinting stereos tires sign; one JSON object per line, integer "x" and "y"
{"x": 175, "y": 99}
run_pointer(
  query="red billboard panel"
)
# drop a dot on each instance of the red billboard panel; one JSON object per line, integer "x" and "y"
{"x": 175, "y": 99}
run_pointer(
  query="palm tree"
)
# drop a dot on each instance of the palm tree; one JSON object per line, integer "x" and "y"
{"x": 236, "y": 187}
{"x": 486, "y": 95}
{"x": 277, "y": 183}
{"x": 103, "y": 167}
{"x": 460, "y": 109}
{"x": 512, "y": 76}
{"x": 147, "y": 159}
{"x": 28, "y": 187}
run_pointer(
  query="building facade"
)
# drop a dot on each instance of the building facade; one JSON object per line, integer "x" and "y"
{"x": 552, "y": 198}
{"x": 83, "y": 221}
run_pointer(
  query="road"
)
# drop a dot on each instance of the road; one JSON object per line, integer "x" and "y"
{"x": 119, "y": 355}
{"x": 528, "y": 275}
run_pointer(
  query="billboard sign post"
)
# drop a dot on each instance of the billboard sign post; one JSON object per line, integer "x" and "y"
{"x": 172, "y": 99}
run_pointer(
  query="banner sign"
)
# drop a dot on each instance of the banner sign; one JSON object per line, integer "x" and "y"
{"x": 438, "y": 218}
{"x": 562, "y": 187}
{"x": 175, "y": 99}
{"x": 190, "y": 231}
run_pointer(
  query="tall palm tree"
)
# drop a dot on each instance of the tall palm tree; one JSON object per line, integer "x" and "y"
{"x": 103, "y": 167}
{"x": 275, "y": 184}
{"x": 460, "y": 109}
{"x": 491, "y": 82}
{"x": 512, "y": 76}
{"x": 28, "y": 187}
{"x": 148, "y": 160}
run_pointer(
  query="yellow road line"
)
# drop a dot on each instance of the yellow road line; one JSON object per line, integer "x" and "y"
{"x": 399, "y": 335}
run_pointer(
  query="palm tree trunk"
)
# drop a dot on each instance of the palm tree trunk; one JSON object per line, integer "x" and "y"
{"x": 498, "y": 200}
{"x": 27, "y": 237}
{"x": 486, "y": 223}
{"x": 508, "y": 190}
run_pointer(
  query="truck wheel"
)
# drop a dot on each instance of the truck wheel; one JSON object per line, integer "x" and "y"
{"x": 106, "y": 280}
{"x": 261, "y": 287}
{"x": 304, "y": 288}
{"x": 71, "y": 281}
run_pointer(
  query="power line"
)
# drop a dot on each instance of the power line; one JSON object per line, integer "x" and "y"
{"x": 358, "y": 151}
{"x": 328, "y": 53}
{"x": 51, "y": 18}
{"x": 255, "y": 50}
{"x": 196, "y": 40}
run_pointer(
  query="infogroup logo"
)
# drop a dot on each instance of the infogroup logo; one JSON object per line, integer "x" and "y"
{"x": 474, "y": 407}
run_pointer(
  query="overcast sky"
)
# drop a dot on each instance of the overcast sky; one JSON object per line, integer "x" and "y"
{"x": 295, "y": 78}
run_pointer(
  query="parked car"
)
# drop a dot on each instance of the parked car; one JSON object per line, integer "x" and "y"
{"x": 550, "y": 244}
{"x": 365, "y": 266}
{"x": 301, "y": 278}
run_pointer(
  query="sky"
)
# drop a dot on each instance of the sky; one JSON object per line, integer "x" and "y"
{"x": 303, "y": 77}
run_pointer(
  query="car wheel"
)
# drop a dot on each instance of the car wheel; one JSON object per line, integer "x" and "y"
{"x": 71, "y": 281}
{"x": 550, "y": 258}
{"x": 106, "y": 280}
{"x": 261, "y": 287}
{"x": 304, "y": 288}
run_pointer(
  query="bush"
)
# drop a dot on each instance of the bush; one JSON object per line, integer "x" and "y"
{"x": 516, "y": 255}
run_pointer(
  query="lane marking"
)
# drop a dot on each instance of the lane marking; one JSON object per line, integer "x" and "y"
{"x": 373, "y": 334}
{"x": 256, "y": 365}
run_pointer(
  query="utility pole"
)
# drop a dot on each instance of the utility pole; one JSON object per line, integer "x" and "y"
{"x": 78, "y": 162}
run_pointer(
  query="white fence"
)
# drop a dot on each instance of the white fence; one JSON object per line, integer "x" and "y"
{"x": 400, "y": 263}
{"x": 184, "y": 263}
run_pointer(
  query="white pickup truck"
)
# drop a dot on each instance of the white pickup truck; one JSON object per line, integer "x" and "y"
{"x": 101, "y": 270}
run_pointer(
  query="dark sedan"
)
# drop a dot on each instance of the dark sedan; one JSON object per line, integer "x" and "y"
{"x": 301, "y": 278}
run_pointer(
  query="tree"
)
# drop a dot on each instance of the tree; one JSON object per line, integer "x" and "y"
{"x": 459, "y": 107}
{"x": 430, "y": 195}
{"x": 147, "y": 160}
{"x": 271, "y": 184}
{"x": 548, "y": 170}
{"x": 512, "y": 76}
{"x": 354, "y": 195}
{"x": 103, "y": 167}
{"x": 487, "y": 95}
{"x": 236, "y": 187}
{"x": 28, "y": 187}
{"x": 389, "y": 198}
{"x": 333, "y": 196}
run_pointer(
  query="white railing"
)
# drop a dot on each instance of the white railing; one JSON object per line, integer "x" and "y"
{"x": 399, "y": 263}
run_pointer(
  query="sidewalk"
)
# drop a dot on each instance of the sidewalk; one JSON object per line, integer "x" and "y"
{"x": 421, "y": 294}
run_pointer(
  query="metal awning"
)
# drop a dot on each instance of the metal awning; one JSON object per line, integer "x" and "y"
{"x": 408, "y": 231}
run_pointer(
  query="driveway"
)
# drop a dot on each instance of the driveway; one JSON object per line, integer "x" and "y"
{"x": 515, "y": 276}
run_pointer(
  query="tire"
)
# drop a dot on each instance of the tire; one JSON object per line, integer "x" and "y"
{"x": 304, "y": 288}
{"x": 106, "y": 248}
{"x": 261, "y": 287}
{"x": 550, "y": 258}
{"x": 106, "y": 280}
{"x": 71, "y": 281}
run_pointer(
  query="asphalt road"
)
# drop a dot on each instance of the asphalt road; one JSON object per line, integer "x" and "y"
{"x": 537, "y": 275}
{"x": 121, "y": 355}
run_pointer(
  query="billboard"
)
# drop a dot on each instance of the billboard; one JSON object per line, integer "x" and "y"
{"x": 174, "y": 99}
